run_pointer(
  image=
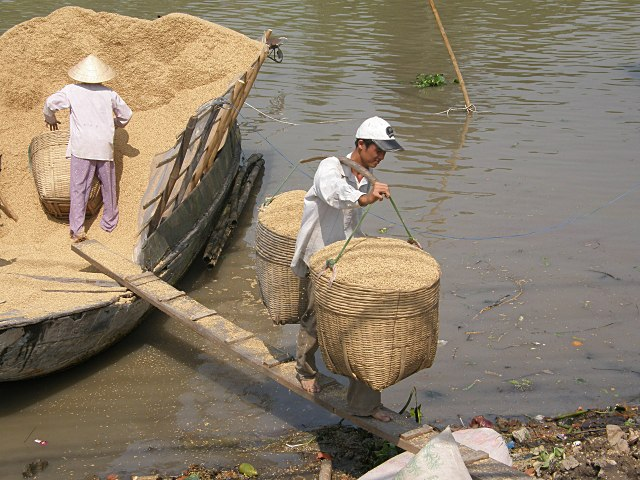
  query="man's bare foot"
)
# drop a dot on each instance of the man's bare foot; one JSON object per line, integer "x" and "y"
{"x": 309, "y": 385}
{"x": 381, "y": 415}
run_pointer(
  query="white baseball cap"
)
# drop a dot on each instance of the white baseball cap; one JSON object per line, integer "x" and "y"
{"x": 379, "y": 130}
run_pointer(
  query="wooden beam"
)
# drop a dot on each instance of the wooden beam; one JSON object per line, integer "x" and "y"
{"x": 270, "y": 361}
{"x": 174, "y": 174}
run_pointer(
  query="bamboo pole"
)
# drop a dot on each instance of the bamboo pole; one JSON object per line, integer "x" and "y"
{"x": 214, "y": 141}
{"x": 467, "y": 103}
{"x": 237, "y": 201}
{"x": 196, "y": 166}
{"x": 240, "y": 92}
{"x": 224, "y": 120}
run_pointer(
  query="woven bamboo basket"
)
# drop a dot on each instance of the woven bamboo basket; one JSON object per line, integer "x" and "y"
{"x": 377, "y": 320}
{"x": 283, "y": 293}
{"x": 51, "y": 172}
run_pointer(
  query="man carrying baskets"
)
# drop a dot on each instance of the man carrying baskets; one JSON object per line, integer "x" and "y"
{"x": 331, "y": 213}
{"x": 95, "y": 111}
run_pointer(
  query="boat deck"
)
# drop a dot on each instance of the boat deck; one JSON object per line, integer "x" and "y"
{"x": 271, "y": 361}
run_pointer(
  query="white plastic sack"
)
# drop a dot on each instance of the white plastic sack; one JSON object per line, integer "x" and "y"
{"x": 486, "y": 440}
{"x": 388, "y": 469}
{"x": 439, "y": 459}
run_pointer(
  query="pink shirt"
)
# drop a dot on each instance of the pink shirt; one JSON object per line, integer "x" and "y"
{"x": 95, "y": 111}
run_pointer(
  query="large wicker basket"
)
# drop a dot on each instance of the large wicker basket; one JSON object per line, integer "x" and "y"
{"x": 51, "y": 172}
{"x": 283, "y": 293}
{"x": 369, "y": 330}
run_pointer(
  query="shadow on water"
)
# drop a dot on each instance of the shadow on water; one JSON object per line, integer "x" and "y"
{"x": 211, "y": 408}
{"x": 180, "y": 345}
{"x": 19, "y": 395}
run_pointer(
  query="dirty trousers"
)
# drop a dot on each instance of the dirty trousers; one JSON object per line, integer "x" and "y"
{"x": 82, "y": 172}
{"x": 362, "y": 400}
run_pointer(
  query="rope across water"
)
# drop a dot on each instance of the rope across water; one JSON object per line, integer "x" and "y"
{"x": 635, "y": 187}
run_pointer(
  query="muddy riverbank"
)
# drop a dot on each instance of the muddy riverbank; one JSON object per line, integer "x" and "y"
{"x": 585, "y": 444}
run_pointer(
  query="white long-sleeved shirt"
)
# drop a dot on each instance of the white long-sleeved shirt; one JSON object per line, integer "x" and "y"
{"x": 95, "y": 111}
{"x": 331, "y": 211}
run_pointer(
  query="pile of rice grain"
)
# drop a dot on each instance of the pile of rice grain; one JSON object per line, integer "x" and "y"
{"x": 283, "y": 293}
{"x": 166, "y": 69}
{"x": 284, "y": 214}
{"x": 154, "y": 59}
{"x": 378, "y": 320}
{"x": 380, "y": 264}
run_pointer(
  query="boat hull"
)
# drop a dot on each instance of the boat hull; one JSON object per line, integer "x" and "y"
{"x": 35, "y": 347}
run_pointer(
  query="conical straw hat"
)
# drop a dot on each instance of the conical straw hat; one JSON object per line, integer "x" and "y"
{"x": 91, "y": 70}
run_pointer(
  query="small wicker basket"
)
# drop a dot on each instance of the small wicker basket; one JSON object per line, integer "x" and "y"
{"x": 51, "y": 172}
{"x": 376, "y": 333}
{"x": 283, "y": 293}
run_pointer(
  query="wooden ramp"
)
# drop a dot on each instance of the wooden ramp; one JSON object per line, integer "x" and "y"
{"x": 271, "y": 361}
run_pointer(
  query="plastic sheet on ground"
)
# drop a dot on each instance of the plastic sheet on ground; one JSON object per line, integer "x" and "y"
{"x": 440, "y": 459}
{"x": 486, "y": 440}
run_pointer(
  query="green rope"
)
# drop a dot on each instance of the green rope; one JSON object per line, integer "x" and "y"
{"x": 411, "y": 237}
{"x": 331, "y": 263}
{"x": 268, "y": 200}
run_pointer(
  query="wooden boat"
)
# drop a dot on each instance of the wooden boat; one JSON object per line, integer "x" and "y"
{"x": 195, "y": 193}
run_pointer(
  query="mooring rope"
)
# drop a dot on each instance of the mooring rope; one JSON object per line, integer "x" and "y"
{"x": 558, "y": 226}
{"x": 321, "y": 122}
{"x": 269, "y": 117}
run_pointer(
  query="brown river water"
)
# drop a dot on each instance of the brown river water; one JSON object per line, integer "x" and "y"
{"x": 534, "y": 196}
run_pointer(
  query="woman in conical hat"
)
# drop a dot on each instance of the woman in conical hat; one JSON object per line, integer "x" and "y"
{"x": 91, "y": 70}
{"x": 95, "y": 111}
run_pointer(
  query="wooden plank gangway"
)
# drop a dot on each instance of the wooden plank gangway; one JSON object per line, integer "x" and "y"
{"x": 273, "y": 362}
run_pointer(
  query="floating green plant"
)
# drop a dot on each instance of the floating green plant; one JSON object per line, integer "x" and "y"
{"x": 424, "y": 80}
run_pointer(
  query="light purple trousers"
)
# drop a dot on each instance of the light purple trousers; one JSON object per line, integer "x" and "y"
{"x": 82, "y": 173}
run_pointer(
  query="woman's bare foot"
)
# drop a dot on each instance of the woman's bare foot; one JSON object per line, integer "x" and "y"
{"x": 310, "y": 385}
{"x": 381, "y": 415}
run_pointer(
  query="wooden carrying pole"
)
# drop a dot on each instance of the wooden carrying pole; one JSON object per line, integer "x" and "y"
{"x": 349, "y": 163}
{"x": 467, "y": 102}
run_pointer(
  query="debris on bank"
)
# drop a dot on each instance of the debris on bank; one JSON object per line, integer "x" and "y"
{"x": 587, "y": 443}
{"x": 581, "y": 445}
